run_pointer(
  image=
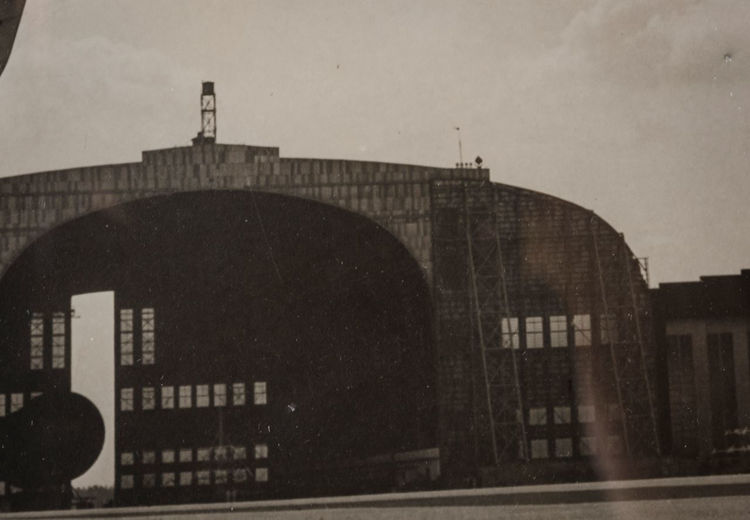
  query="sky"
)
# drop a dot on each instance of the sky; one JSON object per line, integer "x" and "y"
{"x": 635, "y": 109}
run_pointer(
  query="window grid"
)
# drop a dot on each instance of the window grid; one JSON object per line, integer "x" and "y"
{"x": 202, "y": 399}
{"x": 167, "y": 479}
{"x": 126, "y": 399}
{"x": 534, "y": 332}
{"x": 238, "y": 394}
{"x": 149, "y": 480}
{"x": 203, "y": 454}
{"x": 126, "y": 337}
{"x": 186, "y": 396}
{"x": 36, "y": 330}
{"x": 167, "y": 456}
{"x": 239, "y": 475}
{"x": 261, "y": 474}
{"x": 148, "y": 457}
{"x": 562, "y": 414}
{"x": 3, "y": 411}
{"x": 582, "y": 330}
{"x": 126, "y": 458}
{"x": 186, "y": 478}
{"x": 186, "y": 455}
{"x": 167, "y": 397}
{"x": 58, "y": 340}
{"x": 558, "y": 331}
{"x": 220, "y": 394}
{"x": 564, "y": 447}
{"x": 220, "y": 476}
{"x": 260, "y": 393}
{"x": 537, "y": 416}
{"x": 203, "y": 477}
{"x": 261, "y": 451}
{"x": 510, "y": 332}
{"x": 239, "y": 453}
{"x": 16, "y": 402}
{"x": 148, "y": 398}
{"x": 126, "y": 481}
{"x": 126, "y": 348}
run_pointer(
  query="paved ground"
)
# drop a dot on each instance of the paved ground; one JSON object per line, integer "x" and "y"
{"x": 725, "y": 497}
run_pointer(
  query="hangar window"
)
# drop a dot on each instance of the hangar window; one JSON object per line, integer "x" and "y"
{"x": 260, "y": 395}
{"x": 126, "y": 458}
{"x": 186, "y": 478}
{"x": 564, "y": 447}
{"x": 186, "y": 396}
{"x": 149, "y": 480}
{"x": 558, "y": 331}
{"x": 149, "y": 398}
{"x": 587, "y": 446}
{"x": 126, "y": 399}
{"x": 126, "y": 348}
{"x": 126, "y": 337}
{"x": 167, "y": 456}
{"x": 186, "y": 455}
{"x": 36, "y": 327}
{"x": 203, "y": 477}
{"x": 126, "y": 320}
{"x": 534, "y": 332}
{"x": 510, "y": 332}
{"x": 239, "y": 475}
{"x": 2, "y": 405}
{"x": 2, "y": 488}
{"x": 261, "y": 451}
{"x": 261, "y": 474}
{"x": 239, "y": 453}
{"x": 148, "y": 457}
{"x": 126, "y": 481}
{"x": 148, "y": 349}
{"x": 220, "y": 394}
{"x": 582, "y": 330}
{"x": 203, "y": 454}
{"x": 537, "y": 416}
{"x": 220, "y": 453}
{"x": 585, "y": 413}
{"x": 202, "y": 399}
{"x": 58, "y": 340}
{"x": 238, "y": 394}
{"x": 539, "y": 449}
{"x": 562, "y": 414}
{"x": 16, "y": 402}
{"x": 167, "y": 479}
{"x": 167, "y": 397}
{"x": 220, "y": 476}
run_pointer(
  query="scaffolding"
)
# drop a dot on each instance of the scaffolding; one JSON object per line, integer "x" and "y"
{"x": 621, "y": 315}
{"x": 496, "y": 334}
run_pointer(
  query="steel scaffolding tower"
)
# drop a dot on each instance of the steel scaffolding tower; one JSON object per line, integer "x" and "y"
{"x": 621, "y": 321}
{"x": 496, "y": 335}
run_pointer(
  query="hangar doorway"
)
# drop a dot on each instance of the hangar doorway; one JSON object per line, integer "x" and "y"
{"x": 93, "y": 372}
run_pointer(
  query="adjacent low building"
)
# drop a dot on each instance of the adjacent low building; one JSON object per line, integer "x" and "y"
{"x": 704, "y": 328}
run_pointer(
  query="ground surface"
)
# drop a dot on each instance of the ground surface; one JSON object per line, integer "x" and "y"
{"x": 715, "y": 497}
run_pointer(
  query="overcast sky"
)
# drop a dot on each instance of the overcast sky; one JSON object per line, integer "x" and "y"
{"x": 637, "y": 110}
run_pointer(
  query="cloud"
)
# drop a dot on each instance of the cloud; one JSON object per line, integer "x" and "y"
{"x": 651, "y": 43}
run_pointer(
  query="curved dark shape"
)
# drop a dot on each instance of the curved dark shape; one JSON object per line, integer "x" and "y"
{"x": 10, "y": 18}
{"x": 52, "y": 440}
{"x": 324, "y": 304}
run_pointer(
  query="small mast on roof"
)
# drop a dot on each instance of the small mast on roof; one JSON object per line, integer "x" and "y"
{"x": 207, "y": 135}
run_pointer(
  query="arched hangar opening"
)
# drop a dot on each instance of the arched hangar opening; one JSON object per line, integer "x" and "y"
{"x": 216, "y": 291}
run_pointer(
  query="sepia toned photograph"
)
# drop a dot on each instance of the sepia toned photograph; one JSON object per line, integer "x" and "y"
{"x": 342, "y": 259}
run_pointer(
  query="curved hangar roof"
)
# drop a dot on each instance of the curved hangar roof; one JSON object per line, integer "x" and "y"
{"x": 10, "y": 18}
